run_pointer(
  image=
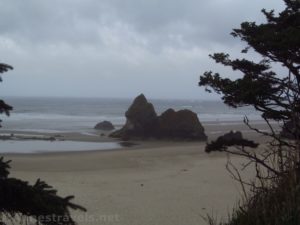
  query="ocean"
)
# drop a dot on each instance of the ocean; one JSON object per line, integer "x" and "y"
{"x": 82, "y": 114}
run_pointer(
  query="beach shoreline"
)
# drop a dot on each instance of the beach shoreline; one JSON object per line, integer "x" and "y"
{"x": 212, "y": 129}
{"x": 153, "y": 182}
{"x": 152, "y": 185}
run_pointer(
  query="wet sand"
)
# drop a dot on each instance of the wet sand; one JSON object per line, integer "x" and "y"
{"x": 169, "y": 183}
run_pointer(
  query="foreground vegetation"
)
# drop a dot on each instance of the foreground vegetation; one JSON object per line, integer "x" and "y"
{"x": 277, "y": 204}
{"x": 22, "y": 203}
{"x": 274, "y": 196}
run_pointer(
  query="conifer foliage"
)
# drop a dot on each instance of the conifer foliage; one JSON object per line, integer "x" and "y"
{"x": 22, "y": 202}
{"x": 273, "y": 196}
{"x": 275, "y": 94}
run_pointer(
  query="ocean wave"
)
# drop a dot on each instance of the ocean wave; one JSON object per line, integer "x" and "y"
{"x": 81, "y": 115}
{"x": 227, "y": 117}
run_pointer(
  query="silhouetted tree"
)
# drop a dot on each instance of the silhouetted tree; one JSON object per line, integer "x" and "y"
{"x": 274, "y": 194}
{"x": 4, "y": 108}
{"x": 276, "y": 96}
{"x": 21, "y": 201}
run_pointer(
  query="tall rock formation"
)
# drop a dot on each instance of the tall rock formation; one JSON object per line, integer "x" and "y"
{"x": 141, "y": 119}
{"x": 143, "y": 122}
{"x": 183, "y": 124}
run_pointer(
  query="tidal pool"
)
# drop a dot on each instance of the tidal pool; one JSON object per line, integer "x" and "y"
{"x": 38, "y": 146}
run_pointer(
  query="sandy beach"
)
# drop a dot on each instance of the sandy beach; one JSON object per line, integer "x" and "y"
{"x": 116, "y": 107}
{"x": 150, "y": 183}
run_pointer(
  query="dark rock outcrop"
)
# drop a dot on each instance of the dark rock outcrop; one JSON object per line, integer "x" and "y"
{"x": 142, "y": 122}
{"x": 104, "y": 125}
{"x": 182, "y": 124}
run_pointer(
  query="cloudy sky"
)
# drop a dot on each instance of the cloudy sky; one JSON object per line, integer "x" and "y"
{"x": 118, "y": 48}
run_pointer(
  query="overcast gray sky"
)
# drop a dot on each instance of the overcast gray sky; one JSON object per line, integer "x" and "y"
{"x": 118, "y": 48}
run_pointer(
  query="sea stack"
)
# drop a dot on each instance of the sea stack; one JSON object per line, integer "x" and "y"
{"x": 143, "y": 122}
{"x": 104, "y": 125}
{"x": 183, "y": 124}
